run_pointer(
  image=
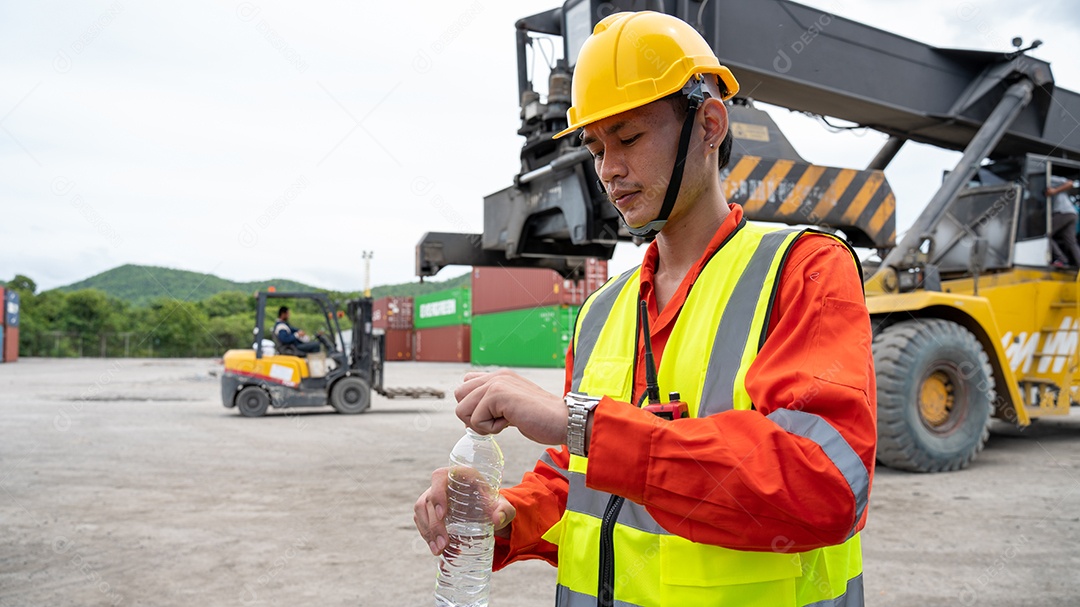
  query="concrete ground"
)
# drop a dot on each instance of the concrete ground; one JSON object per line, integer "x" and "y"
{"x": 125, "y": 482}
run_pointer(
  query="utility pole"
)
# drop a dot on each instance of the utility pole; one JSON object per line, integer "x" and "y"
{"x": 366, "y": 256}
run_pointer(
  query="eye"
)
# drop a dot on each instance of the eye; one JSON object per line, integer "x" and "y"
{"x": 630, "y": 140}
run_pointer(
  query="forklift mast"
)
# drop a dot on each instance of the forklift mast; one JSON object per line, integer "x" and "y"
{"x": 995, "y": 107}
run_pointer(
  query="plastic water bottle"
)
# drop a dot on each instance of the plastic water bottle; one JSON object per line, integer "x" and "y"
{"x": 476, "y": 466}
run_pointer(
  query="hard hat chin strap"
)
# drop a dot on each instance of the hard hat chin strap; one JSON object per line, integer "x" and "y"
{"x": 696, "y": 96}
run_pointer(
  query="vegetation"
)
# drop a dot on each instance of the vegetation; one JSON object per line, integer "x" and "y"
{"x": 140, "y": 285}
{"x": 159, "y": 312}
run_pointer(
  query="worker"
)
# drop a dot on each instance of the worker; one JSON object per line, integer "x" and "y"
{"x": 289, "y": 337}
{"x": 758, "y": 497}
{"x": 1063, "y": 220}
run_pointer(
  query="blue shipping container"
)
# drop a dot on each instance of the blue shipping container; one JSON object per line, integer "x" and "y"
{"x": 11, "y": 308}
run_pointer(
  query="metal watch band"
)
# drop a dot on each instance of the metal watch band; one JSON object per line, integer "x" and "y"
{"x": 578, "y": 406}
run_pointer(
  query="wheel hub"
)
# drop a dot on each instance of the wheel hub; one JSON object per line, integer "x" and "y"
{"x": 936, "y": 399}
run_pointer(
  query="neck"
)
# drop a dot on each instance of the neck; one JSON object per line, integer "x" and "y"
{"x": 684, "y": 238}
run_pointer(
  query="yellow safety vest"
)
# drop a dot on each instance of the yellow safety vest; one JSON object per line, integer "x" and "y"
{"x": 723, "y": 323}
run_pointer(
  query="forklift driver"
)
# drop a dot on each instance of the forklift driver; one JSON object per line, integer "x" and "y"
{"x": 289, "y": 337}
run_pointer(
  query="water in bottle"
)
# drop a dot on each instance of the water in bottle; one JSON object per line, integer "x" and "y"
{"x": 476, "y": 465}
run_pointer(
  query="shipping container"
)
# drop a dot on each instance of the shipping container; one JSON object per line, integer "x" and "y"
{"x": 11, "y": 308}
{"x": 535, "y": 337}
{"x": 1, "y": 343}
{"x": 442, "y": 309}
{"x": 442, "y": 344}
{"x": 392, "y": 313}
{"x": 596, "y": 274}
{"x": 399, "y": 344}
{"x": 498, "y": 289}
{"x": 11, "y": 344}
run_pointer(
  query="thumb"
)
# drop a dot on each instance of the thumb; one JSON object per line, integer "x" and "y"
{"x": 503, "y": 514}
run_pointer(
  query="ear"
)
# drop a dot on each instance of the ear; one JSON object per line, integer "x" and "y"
{"x": 714, "y": 118}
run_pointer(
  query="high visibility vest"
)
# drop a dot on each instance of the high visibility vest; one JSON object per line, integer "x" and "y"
{"x": 723, "y": 323}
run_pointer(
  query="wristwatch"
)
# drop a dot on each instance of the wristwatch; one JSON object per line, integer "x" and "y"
{"x": 579, "y": 406}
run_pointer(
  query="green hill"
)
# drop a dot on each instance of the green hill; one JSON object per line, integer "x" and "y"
{"x": 139, "y": 285}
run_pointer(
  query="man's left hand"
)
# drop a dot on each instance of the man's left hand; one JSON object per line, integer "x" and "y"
{"x": 489, "y": 402}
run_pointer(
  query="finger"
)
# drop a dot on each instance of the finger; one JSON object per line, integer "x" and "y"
{"x": 468, "y": 404}
{"x": 491, "y": 425}
{"x": 470, "y": 382}
{"x": 484, "y": 418}
{"x": 436, "y": 535}
{"x": 433, "y": 510}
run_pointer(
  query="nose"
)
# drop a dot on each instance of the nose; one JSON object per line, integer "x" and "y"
{"x": 611, "y": 166}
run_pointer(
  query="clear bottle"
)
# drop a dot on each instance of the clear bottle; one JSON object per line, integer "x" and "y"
{"x": 476, "y": 466}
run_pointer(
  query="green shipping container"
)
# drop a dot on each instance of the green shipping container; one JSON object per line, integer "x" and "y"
{"x": 533, "y": 337}
{"x": 442, "y": 309}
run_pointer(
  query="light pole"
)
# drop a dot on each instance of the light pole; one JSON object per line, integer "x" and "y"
{"x": 366, "y": 256}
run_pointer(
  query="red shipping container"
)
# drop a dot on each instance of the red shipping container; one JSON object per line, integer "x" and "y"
{"x": 596, "y": 274}
{"x": 392, "y": 313}
{"x": 496, "y": 289}
{"x": 399, "y": 344}
{"x": 443, "y": 344}
{"x": 11, "y": 344}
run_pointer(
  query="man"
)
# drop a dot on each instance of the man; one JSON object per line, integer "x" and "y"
{"x": 758, "y": 497}
{"x": 1063, "y": 223}
{"x": 289, "y": 337}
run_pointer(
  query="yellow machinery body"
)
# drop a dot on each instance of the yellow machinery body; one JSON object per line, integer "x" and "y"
{"x": 280, "y": 369}
{"x": 1026, "y": 320}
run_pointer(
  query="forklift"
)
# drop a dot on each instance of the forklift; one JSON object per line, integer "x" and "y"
{"x": 271, "y": 374}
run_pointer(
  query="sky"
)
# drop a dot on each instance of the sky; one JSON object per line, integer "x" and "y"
{"x": 270, "y": 139}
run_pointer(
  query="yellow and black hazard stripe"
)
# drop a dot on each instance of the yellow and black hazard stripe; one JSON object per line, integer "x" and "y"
{"x": 860, "y": 203}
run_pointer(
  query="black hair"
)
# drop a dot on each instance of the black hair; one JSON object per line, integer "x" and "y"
{"x": 282, "y": 310}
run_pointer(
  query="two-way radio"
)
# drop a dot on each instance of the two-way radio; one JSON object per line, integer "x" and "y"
{"x": 675, "y": 408}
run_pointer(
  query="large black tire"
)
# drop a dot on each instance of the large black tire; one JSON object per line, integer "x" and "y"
{"x": 350, "y": 395}
{"x": 935, "y": 394}
{"x": 252, "y": 401}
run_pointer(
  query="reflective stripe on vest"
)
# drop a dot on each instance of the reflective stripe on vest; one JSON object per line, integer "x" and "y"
{"x": 722, "y": 322}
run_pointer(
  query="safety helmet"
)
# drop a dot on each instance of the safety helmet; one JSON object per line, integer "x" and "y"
{"x": 633, "y": 59}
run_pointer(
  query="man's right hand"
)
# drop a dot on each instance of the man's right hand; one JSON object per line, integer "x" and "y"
{"x": 429, "y": 513}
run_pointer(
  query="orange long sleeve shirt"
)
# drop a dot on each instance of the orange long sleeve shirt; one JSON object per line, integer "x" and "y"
{"x": 735, "y": 479}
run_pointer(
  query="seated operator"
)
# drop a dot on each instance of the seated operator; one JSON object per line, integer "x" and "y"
{"x": 1063, "y": 223}
{"x": 289, "y": 337}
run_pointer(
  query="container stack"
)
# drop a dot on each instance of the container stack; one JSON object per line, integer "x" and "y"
{"x": 10, "y": 339}
{"x": 441, "y": 321}
{"x": 524, "y": 317}
{"x": 393, "y": 316}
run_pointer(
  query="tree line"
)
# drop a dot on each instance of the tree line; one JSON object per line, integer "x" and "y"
{"x": 90, "y": 322}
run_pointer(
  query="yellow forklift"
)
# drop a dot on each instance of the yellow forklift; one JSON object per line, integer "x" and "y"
{"x": 269, "y": 375}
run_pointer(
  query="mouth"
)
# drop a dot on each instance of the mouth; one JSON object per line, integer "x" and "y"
{"x": 622, "y": 199}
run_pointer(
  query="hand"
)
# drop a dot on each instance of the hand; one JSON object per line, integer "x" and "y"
{"x": 429, "y": 513}
{"x": 301, "y": 333}
{"x": 489, "y": 402}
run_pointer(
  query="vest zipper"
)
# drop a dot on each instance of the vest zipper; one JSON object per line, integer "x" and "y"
{"x": 605, "y": 593}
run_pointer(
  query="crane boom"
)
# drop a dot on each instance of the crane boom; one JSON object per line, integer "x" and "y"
{"x": 793, "y": 56}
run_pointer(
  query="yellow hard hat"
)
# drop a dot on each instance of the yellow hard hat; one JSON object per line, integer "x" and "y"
{"x": 633, "y": 59}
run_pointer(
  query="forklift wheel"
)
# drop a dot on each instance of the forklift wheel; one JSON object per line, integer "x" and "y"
{"x": 350, "y": 395}
{"x": 252, "y": 401}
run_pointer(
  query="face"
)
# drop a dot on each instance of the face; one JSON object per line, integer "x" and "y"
{"x": 633, "y": 154}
